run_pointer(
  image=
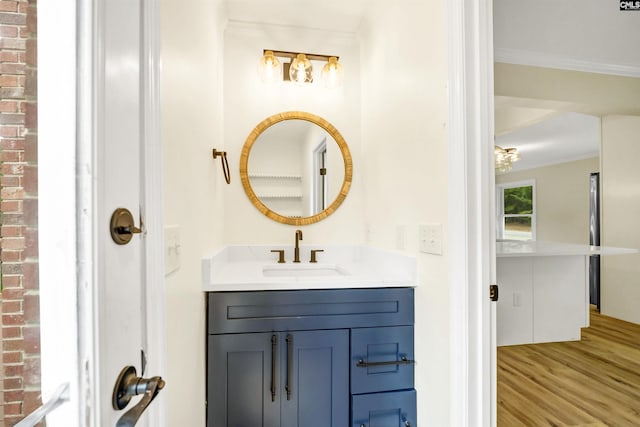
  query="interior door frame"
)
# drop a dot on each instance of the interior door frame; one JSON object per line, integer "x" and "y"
{"x": 89, "y": 77}
{"x": 471, "y": 233}
{"x": 470, "y": 183}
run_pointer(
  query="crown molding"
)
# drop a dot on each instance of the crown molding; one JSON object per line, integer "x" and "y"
{"x": 546, "y": 60}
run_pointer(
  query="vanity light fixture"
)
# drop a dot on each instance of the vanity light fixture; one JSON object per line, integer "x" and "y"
{"x": 300, "y": 69}
{"x": 504, "y": 158}
{"x": 268, "y": 67}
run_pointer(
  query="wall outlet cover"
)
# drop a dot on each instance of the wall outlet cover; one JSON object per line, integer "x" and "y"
{"x": 430, "y": 238}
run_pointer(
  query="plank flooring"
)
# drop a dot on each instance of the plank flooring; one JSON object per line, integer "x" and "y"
{"x": 593, "y": 382}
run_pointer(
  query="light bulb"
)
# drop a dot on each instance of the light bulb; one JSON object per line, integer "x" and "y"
{"x": 301, "y": 70}
{"x": 333, "y": 73}
{"x": 268, "y": 67}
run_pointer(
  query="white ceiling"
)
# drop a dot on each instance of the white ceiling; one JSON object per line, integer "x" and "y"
{"x": 580, "y": 33}
{"x": 330, "y": 15}
{"x": 562, "y": 138}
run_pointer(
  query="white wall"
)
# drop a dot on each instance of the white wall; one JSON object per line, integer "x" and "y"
{"x": 562, "y": 199}
{"x": 405, "y": 168}
{"x": 193, "y": 188}
{"x": 620, "y": 180}
{"x": 248, "y": 101}
{"x": 569, "y": 32}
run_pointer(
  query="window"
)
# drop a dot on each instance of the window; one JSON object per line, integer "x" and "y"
{"x": 516, "y": 211}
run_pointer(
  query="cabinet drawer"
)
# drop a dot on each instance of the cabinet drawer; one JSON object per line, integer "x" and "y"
{"x": 381, "y": 359}
{"x": 392, "y": 409}
{"x": 265, "y": 311}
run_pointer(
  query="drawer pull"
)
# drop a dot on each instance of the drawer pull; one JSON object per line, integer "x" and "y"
{"x": 274, "y": 347}
{"x": 288, "y": 386}
{"x": 403, "y": 361}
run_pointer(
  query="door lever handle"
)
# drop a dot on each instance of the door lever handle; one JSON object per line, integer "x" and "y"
{"x": 122, "y": 226}
{"x": 129, "y": 384}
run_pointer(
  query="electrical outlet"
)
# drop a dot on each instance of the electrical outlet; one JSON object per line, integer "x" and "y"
{"x": 430, "y": 236}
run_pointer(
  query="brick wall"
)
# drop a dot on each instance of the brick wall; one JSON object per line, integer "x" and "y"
{"x": 19, "y": 208}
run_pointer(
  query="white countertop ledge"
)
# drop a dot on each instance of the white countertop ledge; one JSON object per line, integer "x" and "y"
{"x": 513, "y": 248}
{"x": 255, "y": 267}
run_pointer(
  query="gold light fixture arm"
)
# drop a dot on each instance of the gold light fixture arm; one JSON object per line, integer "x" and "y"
{"x": 293, "y": 55}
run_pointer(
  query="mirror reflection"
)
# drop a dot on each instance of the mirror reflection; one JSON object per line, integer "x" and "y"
{"x": 296, "y": 168}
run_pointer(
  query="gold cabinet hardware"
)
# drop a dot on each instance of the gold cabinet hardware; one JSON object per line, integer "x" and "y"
{"x": 122, "y": 226}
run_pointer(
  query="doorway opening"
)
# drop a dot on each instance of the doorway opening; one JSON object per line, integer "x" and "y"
{"x": 320, "y": 176}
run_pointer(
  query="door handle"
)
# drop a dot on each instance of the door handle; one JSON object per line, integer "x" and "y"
{"x": 122, "y": 226}
{"x": 129, "y": 384}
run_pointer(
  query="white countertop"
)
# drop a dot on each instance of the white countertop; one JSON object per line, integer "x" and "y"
{"x": 248, "y": 268}
{"x": 514, "y": 248}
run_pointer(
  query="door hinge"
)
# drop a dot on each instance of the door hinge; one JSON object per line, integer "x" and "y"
{"x": 323, "y": 171}
{"x": 493, "y": 292}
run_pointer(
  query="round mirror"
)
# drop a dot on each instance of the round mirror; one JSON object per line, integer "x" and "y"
{"x": 296, "y": 168}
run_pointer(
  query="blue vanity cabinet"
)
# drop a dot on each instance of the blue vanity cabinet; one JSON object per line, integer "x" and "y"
{"x": 288, "y": 379}
{"x": 295, "y": 358}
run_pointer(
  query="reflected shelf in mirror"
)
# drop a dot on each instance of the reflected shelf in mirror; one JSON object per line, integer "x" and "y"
{"x": 280, "y": 196}
{"x": 271, "y": 176}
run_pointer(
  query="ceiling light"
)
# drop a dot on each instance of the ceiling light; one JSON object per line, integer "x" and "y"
{"x": 504, "y": 158}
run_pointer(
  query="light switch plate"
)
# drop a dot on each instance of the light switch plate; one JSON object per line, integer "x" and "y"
{"x": 172, "y": 249}
{"x": 430, "y": 236}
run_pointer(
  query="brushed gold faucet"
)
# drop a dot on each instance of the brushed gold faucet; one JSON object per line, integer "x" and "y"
{"x": 296, "y": 250}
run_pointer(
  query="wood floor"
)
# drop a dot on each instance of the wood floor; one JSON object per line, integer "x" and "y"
{"x": 592, "y": 382}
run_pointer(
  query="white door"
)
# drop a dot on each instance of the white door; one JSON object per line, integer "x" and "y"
{"x": 119, "y": 100}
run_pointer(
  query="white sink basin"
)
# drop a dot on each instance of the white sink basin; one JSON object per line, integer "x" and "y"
{"x": 255, "y": 267}
{"x": 303, "y": 270}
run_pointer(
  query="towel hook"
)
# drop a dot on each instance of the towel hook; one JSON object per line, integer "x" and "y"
{"x": 225, "y": 164}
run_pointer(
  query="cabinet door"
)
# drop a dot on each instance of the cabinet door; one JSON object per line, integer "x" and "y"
{"x": 316, "y": 370}
{"x": 391, "y": 409}
{"x": 240, "y": 379}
